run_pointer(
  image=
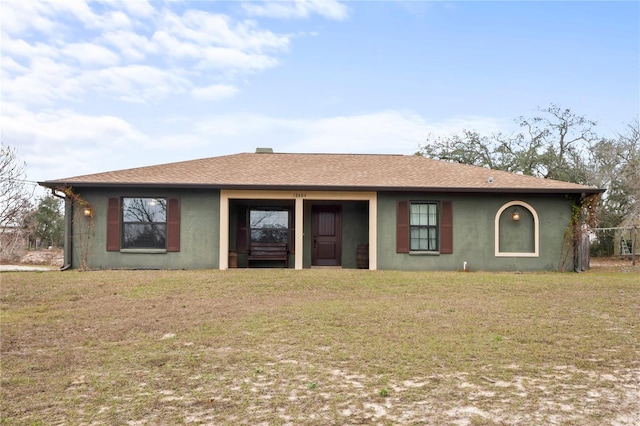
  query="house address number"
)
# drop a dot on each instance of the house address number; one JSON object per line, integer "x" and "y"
{"x": 299, "y": 195}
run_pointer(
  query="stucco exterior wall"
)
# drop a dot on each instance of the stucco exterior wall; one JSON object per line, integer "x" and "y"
{"x": 474, "y": 233}
{"x": 355, "y": 229}
{"x": 199, "y": 232}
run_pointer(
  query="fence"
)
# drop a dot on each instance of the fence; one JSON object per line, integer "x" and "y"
{"x": 618, "y": 241}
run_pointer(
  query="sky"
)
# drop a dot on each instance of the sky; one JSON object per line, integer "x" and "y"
{"x": 93, "y": 86}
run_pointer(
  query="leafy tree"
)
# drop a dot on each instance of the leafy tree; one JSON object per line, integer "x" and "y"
{"x": 551, "y": 145}
{"x": 46, "y": 223}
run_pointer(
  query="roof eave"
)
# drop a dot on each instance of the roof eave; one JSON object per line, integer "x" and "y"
{"x": 60, "y": 185}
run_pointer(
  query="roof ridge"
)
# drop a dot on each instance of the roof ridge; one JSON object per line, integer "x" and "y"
{"x": 325, "y": 153}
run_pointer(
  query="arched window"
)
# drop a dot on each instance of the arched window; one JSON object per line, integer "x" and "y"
{"x": 517, "y": 230}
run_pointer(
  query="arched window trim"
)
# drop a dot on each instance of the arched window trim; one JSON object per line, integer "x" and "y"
{"x": 536, "y": 232}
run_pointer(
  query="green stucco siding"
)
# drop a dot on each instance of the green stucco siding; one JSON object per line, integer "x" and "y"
{"x": 199, "y": 232}
{"x": 355, "y": 230}
{"x": 474, "y": 233}
{"x": 517, "y": 236}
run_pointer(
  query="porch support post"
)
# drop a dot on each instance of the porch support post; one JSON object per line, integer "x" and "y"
{"x": 223, "y": 262}
{"x": 373, "y": 232}
{"x": 299, "y": 215}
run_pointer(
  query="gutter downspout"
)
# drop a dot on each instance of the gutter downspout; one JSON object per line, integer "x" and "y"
{"x": 68, "y": 243}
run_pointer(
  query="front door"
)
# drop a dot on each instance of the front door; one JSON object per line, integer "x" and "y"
{"x": 326, "y": 230}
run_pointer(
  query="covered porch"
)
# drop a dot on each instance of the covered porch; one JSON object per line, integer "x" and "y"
{"x": 319, "y": 228}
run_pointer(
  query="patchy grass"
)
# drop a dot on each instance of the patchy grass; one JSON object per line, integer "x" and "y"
{"x": 320, "y": 347}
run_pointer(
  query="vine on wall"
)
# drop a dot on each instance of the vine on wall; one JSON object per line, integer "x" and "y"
{"x": 583, "y": 212}
{"x": 83, "y": 226}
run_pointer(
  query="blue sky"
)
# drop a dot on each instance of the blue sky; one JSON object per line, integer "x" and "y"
{"x": 91, "y": 86}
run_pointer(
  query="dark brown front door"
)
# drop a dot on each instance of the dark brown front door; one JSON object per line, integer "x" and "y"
{"x": 326, "y": 235}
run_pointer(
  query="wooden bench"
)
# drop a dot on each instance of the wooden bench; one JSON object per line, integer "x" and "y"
{"x": 268, "y": 251}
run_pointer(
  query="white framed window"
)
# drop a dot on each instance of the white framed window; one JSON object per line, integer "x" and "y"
{"x": 423, "y": 226}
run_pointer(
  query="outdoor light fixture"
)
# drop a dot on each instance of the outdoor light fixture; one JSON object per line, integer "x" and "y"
{"x": 87, "y": 212}
{"x": 516, "y": 215}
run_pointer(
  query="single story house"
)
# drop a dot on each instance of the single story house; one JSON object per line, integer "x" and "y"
{"x": 401, "y": 212}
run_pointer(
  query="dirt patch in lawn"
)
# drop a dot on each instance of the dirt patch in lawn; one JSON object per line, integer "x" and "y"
{"x": 52, "y": 257}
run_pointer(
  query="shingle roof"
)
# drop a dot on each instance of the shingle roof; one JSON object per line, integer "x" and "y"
{"x": 323, "y": 171}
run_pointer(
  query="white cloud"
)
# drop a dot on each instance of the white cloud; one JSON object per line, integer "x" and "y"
{"x": 90, "y": 54}
{"x": 79, "y": 9}
{"x": 56, "y": 126}
{"x": 30, "y": 17}
{"x": 42, "y": 83}
{"x": 389, "y": 132}
{"x": 214, "y": 29}
{"x": 19, "y": 48}
{"x": 169, "y": 53}
{"x": 383, "y": 132}
{"x": 166, "y": 44}
{"x": 136, "y": 83}
{"x": 224, "y": 58}
{"x": 61, "y": 55}
{"x": 138, "y": 8}
{"x": 214, "y": 92}
{"x": 215, "y": 42}
{"x": 82, "y": 11}
{"x": 63, "y": 143}
{"x": 12, "y": 66}
{"x": 211, "y": 57}
{"x": 20, "y": 16}
{"x": 298, "y": 9}
{"x": 131, "y": 46}
{"x": 114, "y": 20}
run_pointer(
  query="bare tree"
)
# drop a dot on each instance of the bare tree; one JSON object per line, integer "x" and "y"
{"x": 551, "y": 145}
{"x": 630, "y": 171}
{"x": 468, "y": 148}
{"x": 616, "y": 166}
{"x": 563, "y": 139}
{"x": 14, "y": 200}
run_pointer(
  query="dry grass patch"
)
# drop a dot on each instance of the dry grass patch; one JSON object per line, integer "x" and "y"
{"x": 320, "y": 347}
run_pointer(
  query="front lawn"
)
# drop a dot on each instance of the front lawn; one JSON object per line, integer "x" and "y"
{"x": 342, "y": 347}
